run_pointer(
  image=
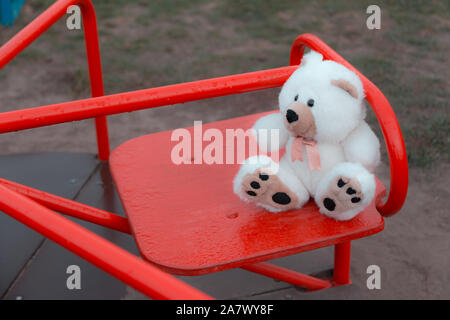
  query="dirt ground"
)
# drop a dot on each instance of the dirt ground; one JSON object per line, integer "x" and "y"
{"x": 413, "y": 251}
{"x": 141, "y": 51}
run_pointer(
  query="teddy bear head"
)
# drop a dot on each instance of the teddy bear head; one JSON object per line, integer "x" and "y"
{"x": 322, "y": 100}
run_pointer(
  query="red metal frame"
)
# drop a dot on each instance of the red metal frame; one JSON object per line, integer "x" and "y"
{"x": 34, "y": 207}
{"x": 342, "y": 263}
{"x": 286, "y": 275}
{"x": 71, "y": 208}
{"x": 100, "y": 252}
{"x": 44, "y": 21}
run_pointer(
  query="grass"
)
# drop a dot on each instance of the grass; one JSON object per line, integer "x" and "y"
{"x": 431, "y": 138}
{"x": 149, "y": 43}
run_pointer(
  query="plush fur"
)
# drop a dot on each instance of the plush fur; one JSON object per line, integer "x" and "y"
{"x": 321, "y": 101}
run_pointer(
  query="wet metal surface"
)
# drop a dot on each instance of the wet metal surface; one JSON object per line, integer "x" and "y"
{"x": 187, "y": 220}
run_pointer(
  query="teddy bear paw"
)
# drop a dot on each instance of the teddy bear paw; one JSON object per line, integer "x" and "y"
{"x": 267, "y": 190}
{"x": 343, "y": 195}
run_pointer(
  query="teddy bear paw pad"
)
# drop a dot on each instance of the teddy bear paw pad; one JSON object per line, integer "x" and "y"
{"x": 343, "y": 194}
{"x": 267, "y": 189}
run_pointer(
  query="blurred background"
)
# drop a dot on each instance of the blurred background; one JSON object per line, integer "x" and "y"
{"x": 153, "y": 43}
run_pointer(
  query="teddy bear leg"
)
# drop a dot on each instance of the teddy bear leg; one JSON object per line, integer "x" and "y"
{"x": 269, "y": 185}
{"x": 345, "y": 191}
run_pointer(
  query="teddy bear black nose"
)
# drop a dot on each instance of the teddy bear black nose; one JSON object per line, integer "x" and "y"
{"x": 291, "y": 116}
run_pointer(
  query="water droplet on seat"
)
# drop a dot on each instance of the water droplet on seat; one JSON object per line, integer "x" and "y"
{"x": 232, "y": 215}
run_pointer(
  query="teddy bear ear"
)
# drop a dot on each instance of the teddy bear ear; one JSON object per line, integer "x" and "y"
{"x": 311, "y": 57}
{"x": 347, "y": 86}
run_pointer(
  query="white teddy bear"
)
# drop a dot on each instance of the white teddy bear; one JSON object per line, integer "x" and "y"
{"x": 330, "y": 149}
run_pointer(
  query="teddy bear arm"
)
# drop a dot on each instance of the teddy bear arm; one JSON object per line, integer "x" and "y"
{"x": 268, "y": 129}
{"x": 362, "y": 146}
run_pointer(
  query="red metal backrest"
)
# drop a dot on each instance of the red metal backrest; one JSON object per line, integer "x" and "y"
{"x": 100, "y": 106}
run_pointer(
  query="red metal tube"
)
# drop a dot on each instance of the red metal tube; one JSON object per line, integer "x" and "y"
{"x": 95, "y": 74}
{"x": 33, "y": 30}
{"x": 142, "y": 99}
{"x": 100, "y": 252}
{"x": 342, "y": 253}
{"x": 388, "y": 122}
{"x": 44, "y": 21}
{"x": 282, "y": 274}
{"x": 71, "y": 208}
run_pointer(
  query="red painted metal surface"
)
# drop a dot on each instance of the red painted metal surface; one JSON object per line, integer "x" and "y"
{"x": 286, "y": 275}
{"x": 100, "y": 252}
{"x": 393, "y": 137}
{"x": 71, "y": 208}
{"x": 187, "y": 220}
{"x": 44, "y": 21}
{"x": 142, "y": 99}
{"x": 342, "y": 263}
{"x": 95, "y": 74}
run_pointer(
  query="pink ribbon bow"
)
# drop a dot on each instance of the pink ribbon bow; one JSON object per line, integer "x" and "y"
{"x": 311, "y": 150}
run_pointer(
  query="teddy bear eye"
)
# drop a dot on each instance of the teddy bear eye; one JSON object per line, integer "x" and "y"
{"x": 296, "y": 98}
{"x": 310, "y": 102}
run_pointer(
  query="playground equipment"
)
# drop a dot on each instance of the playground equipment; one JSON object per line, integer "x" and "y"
{"x": 178, "y": 228}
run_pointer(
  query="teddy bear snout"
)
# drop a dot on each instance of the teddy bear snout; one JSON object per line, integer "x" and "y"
{"x": 291, "y": 116}
{"x": 299, "y": 120}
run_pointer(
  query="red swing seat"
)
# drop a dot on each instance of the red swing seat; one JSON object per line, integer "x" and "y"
{"x": 187, "y": 220}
